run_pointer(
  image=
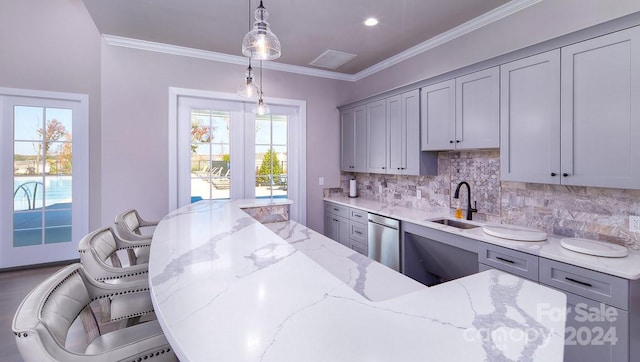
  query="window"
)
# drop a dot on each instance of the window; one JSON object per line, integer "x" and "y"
{"x": 210, "y": 161}
{"x": 271, "y": 156}
{"x": 43, "y": 177}
{"x": 219, "y": 149}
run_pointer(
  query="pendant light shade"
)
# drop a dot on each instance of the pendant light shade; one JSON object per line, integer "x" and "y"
{"x": 260, "y": 43}
{"x": 261, "y": 108}
{"x": 248, "y": 89}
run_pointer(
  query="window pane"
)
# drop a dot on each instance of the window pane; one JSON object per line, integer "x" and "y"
{"x": 27, "y": 228}
{"x": 58, "y": 124}
{"x": 27, "y": 123}
{"x": 59, "y": 157}
{"x": 58, "y": 192}
{"x": 27, "y": 158}
{"x": 279, "y": 130}
{"x": 28, "y": 193}
{"x": 263, "y": 130}
{"x": 57, "y": 225}
{"x": 210, "y": 161}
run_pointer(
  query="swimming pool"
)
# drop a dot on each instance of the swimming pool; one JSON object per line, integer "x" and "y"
{"x": 57, "y": 190}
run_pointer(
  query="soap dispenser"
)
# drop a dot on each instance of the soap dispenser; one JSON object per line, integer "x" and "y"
{"x": 458, "y": 213}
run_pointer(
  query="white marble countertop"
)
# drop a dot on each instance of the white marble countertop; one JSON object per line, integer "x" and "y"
{"x": 627, "y": 267}
{"x": 227, "y": 288}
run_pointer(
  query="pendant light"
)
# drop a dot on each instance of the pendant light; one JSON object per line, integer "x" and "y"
{"x": 261, "y": 108}
{"x": 261, "y": 43}
{"x": 248, "y": 89}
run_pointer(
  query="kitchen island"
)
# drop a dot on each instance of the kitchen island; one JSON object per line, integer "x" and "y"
{"x": 228, "y": 288}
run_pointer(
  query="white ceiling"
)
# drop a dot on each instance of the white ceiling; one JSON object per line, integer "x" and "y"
{"x": 306, "y": 28}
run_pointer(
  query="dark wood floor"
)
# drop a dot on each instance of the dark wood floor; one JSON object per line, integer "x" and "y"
{"x": 14, "y": 286}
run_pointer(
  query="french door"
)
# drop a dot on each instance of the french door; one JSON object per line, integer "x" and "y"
{"x": 225, "y": 151}
{"x": 43, "y": 176}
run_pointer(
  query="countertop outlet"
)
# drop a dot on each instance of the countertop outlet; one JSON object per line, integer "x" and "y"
{"x": 634, "y": 224}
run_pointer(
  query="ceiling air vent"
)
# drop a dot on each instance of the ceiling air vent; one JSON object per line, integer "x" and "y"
{"x": 332, "y": 59}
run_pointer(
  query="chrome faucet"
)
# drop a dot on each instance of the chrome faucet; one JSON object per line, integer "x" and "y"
{"x": 456, "y": 195}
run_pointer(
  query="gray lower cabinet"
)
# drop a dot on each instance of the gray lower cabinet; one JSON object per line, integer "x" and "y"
{"x": 598, "y": 305}
{"x": 603, "y": 311}
{"x": 336, "y": 223}
{"x": 358, "y": 231}
{"x": 346, "y": 225}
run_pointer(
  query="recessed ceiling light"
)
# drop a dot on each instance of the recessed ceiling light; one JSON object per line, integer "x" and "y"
{"x": 371, "y": 22}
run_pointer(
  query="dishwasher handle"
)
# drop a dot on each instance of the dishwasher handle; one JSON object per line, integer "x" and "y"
{"x": 384, "y": 221}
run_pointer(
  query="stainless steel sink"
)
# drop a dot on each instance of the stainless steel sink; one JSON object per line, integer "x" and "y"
{"x": 455, "y": 223}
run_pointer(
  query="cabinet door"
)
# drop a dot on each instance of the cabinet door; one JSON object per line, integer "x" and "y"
{"x": 478, "y": 110}
{"x": 377, "y": 137}
{"x": 347, "y": 140}
{"x": 595, "y": 331}
{"x": 330, "y": 226}
{"x": 411, "y": 133}
{"x": 438, "y": 116}
{"x": 360, "y": 158}
{"x": 600, "y": 124}
{"x": 395, "y": 135}
{"x": 530, "y": 119}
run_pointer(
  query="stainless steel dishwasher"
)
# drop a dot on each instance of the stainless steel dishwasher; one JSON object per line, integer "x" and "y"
{"x": 384, "y": 240}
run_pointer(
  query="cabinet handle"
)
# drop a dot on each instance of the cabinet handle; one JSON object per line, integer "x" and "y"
{"x": 577, "y": 281}
{"x": 457, "y": 141}
{"x": 358, "y": 232}
{"x": 565, "y": 174}
{"x": 450, "y": 141}
{"x": 553, "y": 174}
{"x": 505, "y": 260}
{"x": 356, "y": 215}
{"x": 335, "y": 220}
{"x": 334, "y": 209}
{"x": 384, "y": 168}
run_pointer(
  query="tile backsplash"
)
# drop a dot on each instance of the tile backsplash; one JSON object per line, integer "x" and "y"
{"x": 573, "y": 211}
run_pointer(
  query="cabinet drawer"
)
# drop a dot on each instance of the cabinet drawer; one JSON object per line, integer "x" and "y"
{"x": 514, "y": 262}
{"x": 358, "y": 231}
{"x": 358, "y": 215}
{"x": 584, "y": 282}
{"x": 336, "y": 209}
{"x": 361, "y": 248}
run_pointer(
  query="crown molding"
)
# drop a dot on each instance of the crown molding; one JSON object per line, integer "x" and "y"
{"x": 218, "y": 57}
{"x": 503, "y": 11}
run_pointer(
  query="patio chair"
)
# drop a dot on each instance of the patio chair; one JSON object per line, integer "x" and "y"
{"x": 48, "y": 319}
{"x": 100, "y": 253}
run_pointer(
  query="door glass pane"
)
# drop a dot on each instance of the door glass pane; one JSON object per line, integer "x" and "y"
{"x": 42, "y": 165}
{"x": 271, "y": 156}
{"x": 210, "y": 161}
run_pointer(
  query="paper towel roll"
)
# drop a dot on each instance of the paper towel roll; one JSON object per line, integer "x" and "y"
{"x": 352, "y": 189}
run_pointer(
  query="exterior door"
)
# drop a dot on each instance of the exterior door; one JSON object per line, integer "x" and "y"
{"x": 44, "y": 178}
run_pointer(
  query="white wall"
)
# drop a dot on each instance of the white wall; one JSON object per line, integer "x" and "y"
{"x": 54, "y": 45}
{"x": 135, "y": 87}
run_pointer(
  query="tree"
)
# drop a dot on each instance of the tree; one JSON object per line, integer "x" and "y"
{"x": 53, "y": 131}
{"x": 200, "y": 133}
{"x": 269, "y": 166}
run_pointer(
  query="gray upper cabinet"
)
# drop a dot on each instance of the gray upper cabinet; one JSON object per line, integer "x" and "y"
{"x": 462, "y": 113}
{"x": 438, "y": 116}
{"x": 403, "y": 129}
{"x": 570, "y": 116}
{"x": 377, "y": 137}
{"x": 600, "y": 124}
{"x": 478, "y": 110}
{"x": 353, "y": 144}
{"x": 530, "y": 119}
